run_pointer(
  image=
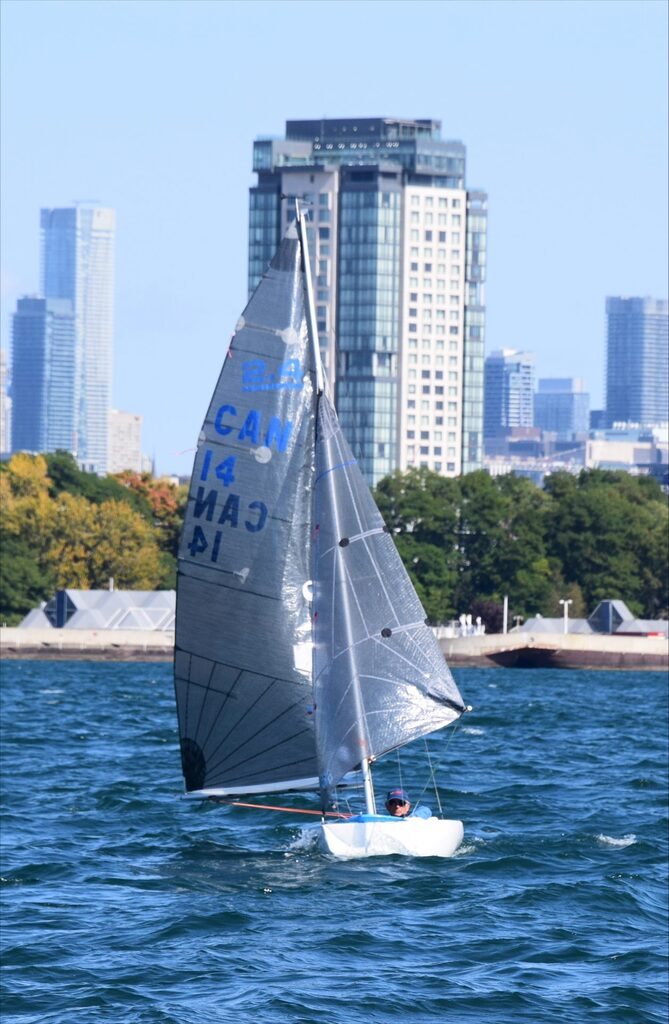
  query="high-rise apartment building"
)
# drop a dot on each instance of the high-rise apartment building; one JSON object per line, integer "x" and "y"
{"x": 125, "y": 442}
{"x": 5, "y": 406}
{"x": 77, "y": 264}
{"x": 509, "y": 391}
{"x": 44, "y": 410}
{"x": 398, "y": 250}
{"x": 637, "y": 361}
{"x": 562, "y": 406}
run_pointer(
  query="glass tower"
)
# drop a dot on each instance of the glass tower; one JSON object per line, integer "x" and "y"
{"x": 77, "y": 264}
{"x": 398, "y": 251}
{"x": 44, "y": 413}
{"x": 509, "y": 391}
{"x": 562, "y": 405}
{"x": 637, "y": 363}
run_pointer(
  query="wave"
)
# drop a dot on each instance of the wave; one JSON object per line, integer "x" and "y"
{"x": 624, "y": 841}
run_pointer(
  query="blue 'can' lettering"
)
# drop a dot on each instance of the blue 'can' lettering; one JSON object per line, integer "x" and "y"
{"x": 206, "y": 505}
{"x": 251, "y": 427}
{"x": 230, "y": 511}
{"x": 278, "y": 433}
{"x": 221, "y": 427}
{"x": 262, "y": 516}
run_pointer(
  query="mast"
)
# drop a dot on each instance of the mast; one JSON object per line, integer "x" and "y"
{"x": 311, "y": 308}
{"x": 320, "y": 387}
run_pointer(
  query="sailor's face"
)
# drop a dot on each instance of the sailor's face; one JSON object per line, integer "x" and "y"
{"x": 398, "y": 808}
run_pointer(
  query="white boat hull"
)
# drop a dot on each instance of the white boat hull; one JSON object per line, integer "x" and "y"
{"x": 408, "y": 837}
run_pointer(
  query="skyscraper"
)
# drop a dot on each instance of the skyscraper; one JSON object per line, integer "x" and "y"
{"x": 77, "y": 264}
{"x": 5, "y": 406}
{"x": 637, "y": 361}
{"x": 509, "y": 391}
{"x": 44, "y": 414}
{"x": 562, "y": 405}
{"x": 398, "y": 251}
{"x": 125, "y": 441}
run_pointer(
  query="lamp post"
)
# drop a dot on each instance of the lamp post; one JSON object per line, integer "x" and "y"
{"x": 565, "y": 602}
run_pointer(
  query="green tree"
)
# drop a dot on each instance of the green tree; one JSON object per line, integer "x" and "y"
{"x": 420, "y": 510}
{"x": 608, "y": 532}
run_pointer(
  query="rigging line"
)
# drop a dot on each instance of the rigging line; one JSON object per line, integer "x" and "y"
{"x": 399, "y": 768}
{"x": 442, "y": 755}
{"x": 271, "y": 807}
{"x": 434, "y": 780}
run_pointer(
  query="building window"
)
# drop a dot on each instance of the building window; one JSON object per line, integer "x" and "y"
{"x": 428, "y": 236}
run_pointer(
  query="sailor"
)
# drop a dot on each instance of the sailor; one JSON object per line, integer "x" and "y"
{"x": 398, "y": 805}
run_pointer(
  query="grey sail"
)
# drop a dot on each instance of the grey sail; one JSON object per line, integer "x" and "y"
{"x": 243, "y": 626}
{"x": 380, "y": 679}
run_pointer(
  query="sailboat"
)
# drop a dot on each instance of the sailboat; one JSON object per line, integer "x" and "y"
{"x": 302, "y": 652}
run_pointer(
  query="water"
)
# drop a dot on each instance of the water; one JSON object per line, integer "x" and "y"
{"x": 123, "y": 903}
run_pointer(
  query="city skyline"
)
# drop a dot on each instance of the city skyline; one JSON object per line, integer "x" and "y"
{"x": 171, "y": 154}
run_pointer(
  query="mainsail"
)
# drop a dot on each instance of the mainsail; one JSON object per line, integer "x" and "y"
{"x": 272, "y": 692}
{"x": 243, "y": 682}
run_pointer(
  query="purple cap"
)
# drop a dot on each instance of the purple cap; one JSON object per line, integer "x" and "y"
{"x": 398, "y": 794}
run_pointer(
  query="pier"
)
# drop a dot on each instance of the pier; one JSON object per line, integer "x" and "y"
{"x": 494, "y": 650}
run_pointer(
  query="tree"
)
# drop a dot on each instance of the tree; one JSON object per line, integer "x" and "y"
{"x": 420, "y": 510}
{"x": 93, "y": 543}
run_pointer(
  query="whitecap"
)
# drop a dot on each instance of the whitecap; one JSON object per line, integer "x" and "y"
{"x": 471, "y": 730}
{"x": 465, "y": 849}
{"x": 307, "y": 839}
{"x": 627, "y": 840}
{"x": 51, "y": 691}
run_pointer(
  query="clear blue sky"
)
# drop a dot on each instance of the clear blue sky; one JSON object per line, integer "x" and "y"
{"x": 152, "y": 108}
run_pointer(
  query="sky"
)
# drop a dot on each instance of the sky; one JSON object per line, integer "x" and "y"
{"x": 152, "y": 106}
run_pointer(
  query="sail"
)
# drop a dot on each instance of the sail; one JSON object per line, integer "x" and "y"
{"x": 380, "y": 679}
{"x": 243, "y": 625}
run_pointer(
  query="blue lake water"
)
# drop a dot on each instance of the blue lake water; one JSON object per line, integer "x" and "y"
{"x": 123, "y": 903}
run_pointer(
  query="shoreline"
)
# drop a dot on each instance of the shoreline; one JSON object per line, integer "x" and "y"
{"x": 494, "y": 650}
